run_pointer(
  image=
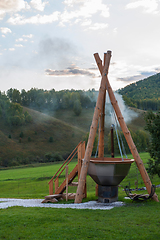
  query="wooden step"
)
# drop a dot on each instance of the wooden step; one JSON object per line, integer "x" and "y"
{"x": 73, "y": 184}
{"x": 55, "y": 197}
{"x": 70, "y": 195}
{"x": 52, "y": 198}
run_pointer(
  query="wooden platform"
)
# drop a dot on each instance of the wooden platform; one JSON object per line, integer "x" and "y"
{"x": 56, "y": 197}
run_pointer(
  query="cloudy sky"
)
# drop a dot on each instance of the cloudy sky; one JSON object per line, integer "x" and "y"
{"x": 50, "y": 43}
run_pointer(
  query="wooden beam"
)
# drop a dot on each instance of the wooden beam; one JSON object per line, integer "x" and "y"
{"x": 93, "y": 129}
{"x": 127, "y": 135}
{"x": 66, "y": 183}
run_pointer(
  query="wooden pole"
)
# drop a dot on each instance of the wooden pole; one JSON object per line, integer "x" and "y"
{"x": 127, "y": 135}
{"x": 66, "y": 183}
{"x": 112, "y": 142}
{"x": 101, "y": 129}
{"x": 102, "y": 122}
{"x": 93, "y": 129}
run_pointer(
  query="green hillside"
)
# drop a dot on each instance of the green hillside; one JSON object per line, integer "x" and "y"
{"x": 35, "y": 142}
{"x": 48, "y": 133}
{"x": 144, "y": 94}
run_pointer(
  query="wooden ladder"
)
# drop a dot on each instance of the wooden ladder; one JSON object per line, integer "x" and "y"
{"x": 59, "y": 190}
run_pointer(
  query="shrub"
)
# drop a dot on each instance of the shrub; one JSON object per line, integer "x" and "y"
{"x": 21, "y": 135}
{"x": 53, "y": 157}
{"x": 51, "y": 139}
{"x": 77, "y": 107}
{"x": 28, "y": 117}
{"x": 57, "y": 157}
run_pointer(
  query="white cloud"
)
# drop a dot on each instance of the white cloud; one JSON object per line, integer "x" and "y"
{"x": 7, "y": 6}
{"x": 149, "y": 6}
{"x": 97, "y": 26}
{"x": 86, "y": 22}
{"x": 21, "y": 40}
{"x": 5, "y": 30}
{"x": 84, "y": 9}
{"x": 11, "y": 49}
{"x": 115, "y": 30}
{"x": 89, "y": 7}
{"x": 78, "y": 11}
{"x": 37, "y": 19}
{"x": 28, "y": 36}
{"x": 38, "y": 4}
{"x": 18, "y": 45}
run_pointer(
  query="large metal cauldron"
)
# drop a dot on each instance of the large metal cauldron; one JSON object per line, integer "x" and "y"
{"x": 109, "y": 171}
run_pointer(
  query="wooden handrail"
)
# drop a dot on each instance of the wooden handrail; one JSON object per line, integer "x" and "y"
{"x": 66, "y": 165}
{"x": 65, "y": 162}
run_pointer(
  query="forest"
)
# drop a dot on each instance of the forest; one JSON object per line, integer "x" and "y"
{"x": 12, "y": 112}
{"x": 44, "y": 100}
{"x": 144, "y": 94}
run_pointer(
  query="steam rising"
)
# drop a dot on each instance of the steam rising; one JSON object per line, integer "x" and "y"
{"x": 127, "y": 113}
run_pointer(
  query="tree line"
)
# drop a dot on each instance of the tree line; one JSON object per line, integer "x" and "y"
{"x": 12, "y": 112}
{"x": 143, "y": 94}
{"x": 51, "y": 100}
{"x": 142, "y": 104}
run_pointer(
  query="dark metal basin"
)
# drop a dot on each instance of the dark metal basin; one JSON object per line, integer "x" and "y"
{"x": 109, "y": 171}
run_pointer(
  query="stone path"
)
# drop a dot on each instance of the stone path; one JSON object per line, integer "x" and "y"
{"x": 11, "y": 202}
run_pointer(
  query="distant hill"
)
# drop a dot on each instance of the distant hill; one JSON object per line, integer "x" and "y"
{"x": 31, "y": 142}
{"x": 143, "y": 94}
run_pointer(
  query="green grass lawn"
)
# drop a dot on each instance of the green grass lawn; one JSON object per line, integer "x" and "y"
{"x": 32, "y": 182}
{"x": 132, "y": 221}
{"x": 135, "y": 220}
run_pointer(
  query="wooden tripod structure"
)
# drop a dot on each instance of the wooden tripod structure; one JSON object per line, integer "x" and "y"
{"x": 99, "y": 114}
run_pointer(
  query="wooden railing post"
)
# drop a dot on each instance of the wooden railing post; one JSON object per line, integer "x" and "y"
{"x": 51, "y": 187}
{"x": 56, "y": 182}
{"x": 79, "y": 160}
{"x": 66, "y": 183}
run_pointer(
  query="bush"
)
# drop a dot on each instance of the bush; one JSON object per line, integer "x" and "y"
{"x": 21, "y": 135}
{"x": 51, "y": 139}
{"x": 53, "y": 157}
{"x": 77, "y": 107}
{"x": 28, "y": 117}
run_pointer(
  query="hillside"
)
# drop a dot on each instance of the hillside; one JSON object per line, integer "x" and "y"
{"x": 144, "y": 94}
{"x": 35, "y": 141}
{"x": 57, "y": 132}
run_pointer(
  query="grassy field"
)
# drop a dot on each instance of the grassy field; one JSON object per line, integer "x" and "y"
{"x": 32, "y": 182}
{"x": 135, "y": 220}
